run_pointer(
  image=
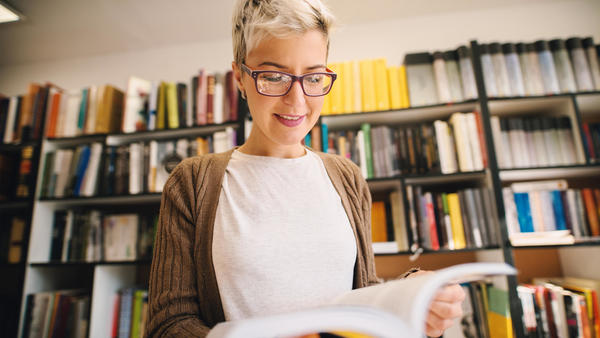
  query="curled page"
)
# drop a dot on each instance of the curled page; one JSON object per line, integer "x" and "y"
{"x": 393, "y": 309}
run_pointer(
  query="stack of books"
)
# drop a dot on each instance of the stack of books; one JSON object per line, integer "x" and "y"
{"x": 560, "y": 307}
{"x": 549, "y": 212}
{"x": 21, "y": 117}
{"x": 534, "y": 141}
{"x": 540, "y": 68}
{"x": 130, "y": 313}
{"x": 96, "y": 236}
{"x": 445, "y": 147}
{"x": 64, "y": 313}
{"x": 591, "y": 140}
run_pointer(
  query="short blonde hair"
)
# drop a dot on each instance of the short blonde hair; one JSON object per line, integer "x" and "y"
{"x": 254, "y": 20}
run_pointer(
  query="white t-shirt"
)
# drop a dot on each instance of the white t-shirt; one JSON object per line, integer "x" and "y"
{"x": 282, "y": 240}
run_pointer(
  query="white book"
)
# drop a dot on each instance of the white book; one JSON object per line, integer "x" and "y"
{"x": 537, "y": 210}
{"x": 572, "y": 210}
{"x": 181, "y": 147}
{"x": 92, "y": 249}
{"x": 153, "y": 166}
{"x": 202, "y": 97}
{"x": 136, "y": 158}
{"x": 498, "y": 144}
{"x": 461, "y": 136}
{"x": 10, "y": 119}
{"x": 136, "y": 94}
{"x": 522, "y": 145}
{"x": 474, "y": 143}
{"x": 71, "y": 114}
{"x": 164, "y": 149}
{"x": 510, "y": 210}
{"x": 360, "y": 138}
{"x": 542, "y": 238}
{"x": 445, "y": 150}
{"x": 552, "y": 150}
{"x": 120, "y": 237}
{"x": 567, "y": 146}
{"x": 516, "y": 147}
{"x": 63, "y": 172}
{"x": 508, "y": 155}
{"x": 530, "y": 147}
{"x": 548, "y": 215}
{"x": 67, "y": 235}
{"x": 152, "y": 105}
{"x": 546, "y": 185}
{"x": 90, "y": 179}
{"x": 540, "y": 148}
{"x": 385, "y": 247}
{"x": 231, "y": 137}
{"x": 218, "y": 99}
{"x": 90, "y": 121}
{"x": 397, "y": 307}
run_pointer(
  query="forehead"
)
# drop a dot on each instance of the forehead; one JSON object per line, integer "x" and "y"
{"x": 309, "y": 47}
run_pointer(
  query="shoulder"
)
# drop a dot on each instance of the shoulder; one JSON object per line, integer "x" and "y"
{"x": 198, "y": 168}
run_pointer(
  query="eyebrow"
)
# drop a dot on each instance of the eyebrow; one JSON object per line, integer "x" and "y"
{"x": 276, "y": 65}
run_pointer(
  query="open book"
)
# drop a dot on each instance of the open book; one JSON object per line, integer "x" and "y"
{"x": 396, "y": 308}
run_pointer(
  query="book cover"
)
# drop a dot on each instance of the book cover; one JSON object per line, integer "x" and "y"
{"x": 378, "y": 222}
{"x": 458, "y": 232}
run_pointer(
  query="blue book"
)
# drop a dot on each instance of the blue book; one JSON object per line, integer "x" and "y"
{"x": 559, "y": 210}
{"x": 524, "y": 211}
{"x": 324, "y": 137}
{"x": 81, "y": 167}
{"x": 82, "y": 110}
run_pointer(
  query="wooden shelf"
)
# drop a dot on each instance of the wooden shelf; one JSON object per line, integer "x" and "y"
{"x": 574, "y": 171}
{"x": 105, "y": 200}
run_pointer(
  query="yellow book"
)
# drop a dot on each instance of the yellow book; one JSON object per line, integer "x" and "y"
{"x": 367, "y": 81}
{"x": 342, "y": 146}
{"x": 499, "y": 321}
{"x": 348, "y": 87}
{"x": 378, "y": 222}
{"x": 394, "y": 87}
{"x": 356, "y": 85}
{"x": 337, "y": 92}
{"x": 381, "y": 85}
{"x": 160, "y": 109}
{"x": 404, "y": 98}
{"x": 172, "y": 109}
{"x": 458, "y": 231}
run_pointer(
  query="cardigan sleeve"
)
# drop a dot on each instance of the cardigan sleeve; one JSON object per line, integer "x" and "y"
{"x": 174, "y": 310}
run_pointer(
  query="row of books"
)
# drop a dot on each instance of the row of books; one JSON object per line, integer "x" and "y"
{"x": 439, "y": 147}
{"x": 532, "y": 141}
{"x": 145, "y": 105}
{"x": 138, "y": 167}
{"x": 540, "y": 68}
{"x": 366, "y": 85}
{"x": 561, "y": 307}
{"x": 441, "y": 77}
{"x": 97, "y": 236}
{"x": 465, "y": 218}
{"x": 12, "y": 239}
{"x": 64, "y": 313}
{"x": 549, "y": 212}
{"x": 130, "y": 313}
{"x": 17, "y": 165}
{"x": 591, "y": 140}
{"x": 22, "y": 117}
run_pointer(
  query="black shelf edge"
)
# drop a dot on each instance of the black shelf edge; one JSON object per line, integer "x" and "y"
{"x": 431, "y": 176}
{"x": 578, "y": 243}
{"x": 576, "y": 166}
{"x": 18, "y": 146}
{"x": 438, "y": 105}
{"x": 100, "y": 198}
{"x": 18, "y": 204}
{"x": 98, "y": 263}
{"x": 18, "y": 265}
{"x": 513, "y": 98}
{"x": 441, "y": 251}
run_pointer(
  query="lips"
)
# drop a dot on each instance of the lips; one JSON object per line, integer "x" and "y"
{"x": 290, "y": 120}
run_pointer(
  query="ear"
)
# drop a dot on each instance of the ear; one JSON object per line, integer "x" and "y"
{"x": 237, "y": 75}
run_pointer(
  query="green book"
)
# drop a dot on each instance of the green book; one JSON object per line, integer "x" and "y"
{"x": 366, "y": 128}
{"x": 136, "y": 317}
{"x": 82, "y": 111}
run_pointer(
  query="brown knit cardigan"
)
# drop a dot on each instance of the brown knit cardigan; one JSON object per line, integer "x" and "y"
{"x": 184, "y": 298}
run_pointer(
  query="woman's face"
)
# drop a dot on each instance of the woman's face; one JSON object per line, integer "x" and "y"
{"x": 298, "y": 55}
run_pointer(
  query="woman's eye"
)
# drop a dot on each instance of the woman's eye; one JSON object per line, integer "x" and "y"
{"x": 314, "y": 78}
{"x": 273, "y": 78}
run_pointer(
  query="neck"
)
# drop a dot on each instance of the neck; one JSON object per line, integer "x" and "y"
{"x": 255, "y": 146}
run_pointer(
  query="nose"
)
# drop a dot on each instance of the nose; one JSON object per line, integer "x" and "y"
{"x": 295, "y": 96}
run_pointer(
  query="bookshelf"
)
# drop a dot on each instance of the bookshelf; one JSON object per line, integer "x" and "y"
{"x": 104, "y": 278}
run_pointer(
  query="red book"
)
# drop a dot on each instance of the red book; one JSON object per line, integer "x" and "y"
{"x": 482, "y": 144}
{"x": 53, "y": 118}
{"x": 201, "y": 118}
{"x": 435, "y": 244}
{"x": 210, "y": 93}
{"x": 591, "y": 211}
{"x": 114, "y": 332}
{"x": 589, "y": 143}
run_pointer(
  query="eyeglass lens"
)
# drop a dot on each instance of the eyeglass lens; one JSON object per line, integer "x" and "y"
{"x": 275, "y": 83}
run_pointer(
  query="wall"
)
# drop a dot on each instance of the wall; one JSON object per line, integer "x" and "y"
{"x": 390, "y": 39}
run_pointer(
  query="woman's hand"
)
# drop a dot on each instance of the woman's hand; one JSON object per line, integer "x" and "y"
{"x": 445, "y": 307}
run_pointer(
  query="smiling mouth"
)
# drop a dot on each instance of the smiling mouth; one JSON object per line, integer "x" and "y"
{"x": 290, "y": 117}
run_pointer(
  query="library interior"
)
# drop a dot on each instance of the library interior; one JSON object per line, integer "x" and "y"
{"x": 472, "y": 128}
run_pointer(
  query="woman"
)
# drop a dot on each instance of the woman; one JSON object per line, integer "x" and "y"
{"x": 271, "y": 226}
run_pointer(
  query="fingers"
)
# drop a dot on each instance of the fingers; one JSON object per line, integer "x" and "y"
{"x": 450, "y": 293}
{"x": 445, "y": 310}
{"x": 436, "y": 325}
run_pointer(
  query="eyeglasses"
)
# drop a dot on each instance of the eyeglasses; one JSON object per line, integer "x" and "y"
{"x": 274, "y": 83}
